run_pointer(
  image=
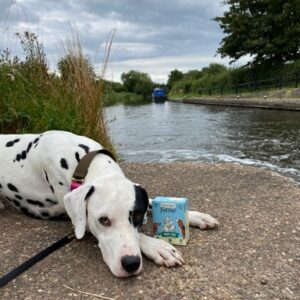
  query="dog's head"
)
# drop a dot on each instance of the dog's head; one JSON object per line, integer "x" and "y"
{"x": 113, "y": 210}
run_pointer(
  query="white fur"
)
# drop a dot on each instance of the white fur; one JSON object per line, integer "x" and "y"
{"x": 114, "y": 195}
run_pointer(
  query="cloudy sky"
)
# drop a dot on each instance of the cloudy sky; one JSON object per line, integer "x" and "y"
{"x": 153, "y": 36}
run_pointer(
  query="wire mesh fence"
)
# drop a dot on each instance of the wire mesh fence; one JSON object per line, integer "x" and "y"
{"x": 291, "y": 81}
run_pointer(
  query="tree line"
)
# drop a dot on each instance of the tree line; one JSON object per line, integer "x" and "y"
{"x": 267, "y": 31}
{"x": 222, "y": 79}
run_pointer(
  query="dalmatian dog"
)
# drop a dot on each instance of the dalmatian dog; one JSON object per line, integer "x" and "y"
{"x": 36, "y": 172}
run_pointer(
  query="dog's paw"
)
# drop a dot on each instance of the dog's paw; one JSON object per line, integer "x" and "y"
{"x": 161, "y": 252}
{"x": 201, "y": 220}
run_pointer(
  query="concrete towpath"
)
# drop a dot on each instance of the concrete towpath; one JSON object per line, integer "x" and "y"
{"x": 255, "y": 254}
{"x": 270, "y": 103}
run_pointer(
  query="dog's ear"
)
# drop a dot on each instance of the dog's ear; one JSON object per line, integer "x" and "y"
{"x": 75, "y": 204}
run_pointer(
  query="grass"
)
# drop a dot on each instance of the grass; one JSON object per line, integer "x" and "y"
{"x": 33, "y": 100}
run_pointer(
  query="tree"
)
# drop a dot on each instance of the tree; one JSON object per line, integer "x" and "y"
{"x": 214, "y": 69}
{"x": 267, "y": 30}
{"x": 193, "y": 74}
{"x": 69, "y": 65}
{"x": 174, "y": 76}
{"x": 137, "y": 82}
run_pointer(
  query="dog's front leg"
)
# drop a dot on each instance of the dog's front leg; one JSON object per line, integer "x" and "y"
{"x": 161, "y": 252}
{"x": 201, "y": 220}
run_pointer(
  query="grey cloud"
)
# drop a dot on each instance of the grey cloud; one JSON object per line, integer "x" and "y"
{"x": 145, "y": 28}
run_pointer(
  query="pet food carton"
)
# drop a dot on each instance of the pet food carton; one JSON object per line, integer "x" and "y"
{"x": 170, "y": 219}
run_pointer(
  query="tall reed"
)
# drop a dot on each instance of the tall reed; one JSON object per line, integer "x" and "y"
{"x": 34, "y": 100}
{"x": 87, "y": 91}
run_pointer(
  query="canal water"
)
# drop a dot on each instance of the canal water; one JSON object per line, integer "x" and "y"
{"x": 186, "y": 132}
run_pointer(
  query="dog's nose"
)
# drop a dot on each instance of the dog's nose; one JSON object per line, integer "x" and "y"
{"x": 130, "y": 263}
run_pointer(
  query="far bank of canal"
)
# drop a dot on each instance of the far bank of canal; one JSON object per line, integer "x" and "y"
{"x": 176, "y": 132}
{"x": 269, "y": 103}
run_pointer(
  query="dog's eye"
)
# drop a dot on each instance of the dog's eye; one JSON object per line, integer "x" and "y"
{"x": 104, "y": 221}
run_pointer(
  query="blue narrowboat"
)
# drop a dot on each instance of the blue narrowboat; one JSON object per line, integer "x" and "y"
{"x": 159, "y": 95}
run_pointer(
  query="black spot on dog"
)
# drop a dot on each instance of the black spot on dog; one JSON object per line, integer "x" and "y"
{"x": 59, "y": 217}
{"x": 27, "y": 212}
{"x": 60, "y": 183}
{"x": 140, "y": 206}
{"x": 11, "y": 143}
{"x": 23, "y": 154}
{"x": 84, "y": 147}
{"x": 36, "y": 140}
{"x": 51, "y": 202}
{"x": 64, "y": 164}
{"x": 109, "y": 161}
{"x": 18, "y": 197}
{"x": 90, "y": 192}
{"x": 35, "y": 145}
{"x": 29, "y": 147}
{"x": 24, "y": 210}
{"x": 12, "y": 188}
{"x": 51, "y": 188}
{"x": 8, "y": 198}
{"x": 0, "y": 186}
{"x": 45, "y": 214}
{"x": 46, "y": 176}
{"x": 16, "y": 203}
{"x": 77, "y": 157}
{"x": 35, "y": 202}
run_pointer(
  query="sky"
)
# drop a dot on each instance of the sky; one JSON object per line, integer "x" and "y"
{"x": 152, "y": 36}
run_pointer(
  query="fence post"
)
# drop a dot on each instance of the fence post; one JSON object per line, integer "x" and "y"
{"x": 296, "y": 79}
{"x": 236, "y": 89}
{"x": 221, "y": 91}
{"x": 280, "y": 83}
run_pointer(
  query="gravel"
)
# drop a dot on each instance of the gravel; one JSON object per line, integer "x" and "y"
{"x": 255, "y": 253}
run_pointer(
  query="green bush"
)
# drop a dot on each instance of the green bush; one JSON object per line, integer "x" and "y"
{"x": 125, "y": 98}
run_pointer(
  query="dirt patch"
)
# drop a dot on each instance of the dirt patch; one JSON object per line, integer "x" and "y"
{"x": 254, "y": 254}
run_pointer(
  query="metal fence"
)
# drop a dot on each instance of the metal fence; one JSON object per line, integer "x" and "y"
{"x": 291, "y": 81}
